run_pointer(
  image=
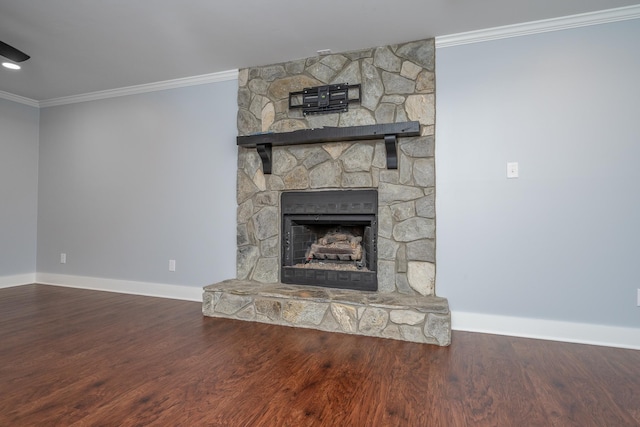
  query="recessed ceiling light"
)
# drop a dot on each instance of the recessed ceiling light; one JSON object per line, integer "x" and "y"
{"x": 11, "y": 65}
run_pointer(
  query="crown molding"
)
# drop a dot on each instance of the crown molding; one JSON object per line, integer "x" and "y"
{"x": 543, "y": 26}
{"x": 19, "y": 99}
{"x": 144, "y": 88}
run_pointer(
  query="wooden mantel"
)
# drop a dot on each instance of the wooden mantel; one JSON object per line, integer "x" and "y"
{"x": 264, "y": 142}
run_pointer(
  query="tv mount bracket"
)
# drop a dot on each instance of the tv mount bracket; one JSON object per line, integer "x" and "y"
{"x": 325, "y": 99}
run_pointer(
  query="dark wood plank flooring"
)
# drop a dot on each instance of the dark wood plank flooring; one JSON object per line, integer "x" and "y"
{"x": 74, "y": 357}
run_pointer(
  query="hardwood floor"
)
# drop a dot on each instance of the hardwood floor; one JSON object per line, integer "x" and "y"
{"x": 73, "y": 357}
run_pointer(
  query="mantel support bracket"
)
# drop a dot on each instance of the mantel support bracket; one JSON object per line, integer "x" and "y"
{"x": 264, "y": 150}
{"x": 390, "y": 143}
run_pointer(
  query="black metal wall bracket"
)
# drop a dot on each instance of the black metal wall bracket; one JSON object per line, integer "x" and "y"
{"x": 265, "y": 152}
{"x": 390, "y": 143}
{"x": 325, "y": 99}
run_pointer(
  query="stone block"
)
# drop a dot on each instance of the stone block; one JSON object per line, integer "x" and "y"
{"x": 422, "y": 276}
{"x": 317, "y": 121}
{"x": 385, "y": 59}
{"x": 404, "y": 210}
{"x": 421, "y": 250}
{"x": 426, "y": 82}
{"x": 412, "y": 333}
{"x": 373, "y": 321}
{"x": 242, "y": 237}
{"x": 244, "y": 98}
{"x": 315, "y": 157}
{"x": 243, "y": 77}
{"x": 350, "y": 74}
{"x": 357, "y": 158}
{"x": 259, "y": 180}
{"x": 245, "y": 188}
{"x": 385, "y": 222}
{"x": 421, "y": 108}
{"x": 246, "y": 313}
{"x": 385, "y": 113}
{"x": 379, "y": 156}
{"x": 420, "y": 52}
{"x": 304, "y": 312}
{"x": 357, "y": 180}
{"x": 406, "y": 317}
{"x": 272, "y": 72}
{"x": 268, "y": 115}
{"x": 265, "y": 198}
{"x": 258, "y": 86}
{"x": 209, "y": 301}
{"x": 424, "y": 173}
{"x": 335, "y": 61}
{"x": 393, "y": 332}
{"x": 266, "y": 270}
{"x": 321, "y": 72}
{"x": 335, "y": 150}
{"x": 280, "y": 89}
{"x": 410, "y": 70}
{"x": 246, "y": 259}
{"x": 387, "y": 249}
{"x": 439, "y": 327}
{"x": 326, "y": 175}
{"x": 392, "y": 193}
{"x": 420, "y": 146}
{"x": 265, "y": 222}
{"x": 229, "y": 304}
{"x": 359, "y": 117}
{"x": 395, "y": 84}
{"x": 405, "y": 166}
{"x": 414, "y": 229}
{"x": 386, "y": 276}
{"x": 346, "y": 316}
{"x": 270, "y": 248}
{"x": 297, "y": 179}
{"x": 268, "y": 309}
{"x": 426, "y": 206}
{"x": 371, "y": 87}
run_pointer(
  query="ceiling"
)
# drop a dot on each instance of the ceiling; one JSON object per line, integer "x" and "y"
{"x": 83, "y": 46}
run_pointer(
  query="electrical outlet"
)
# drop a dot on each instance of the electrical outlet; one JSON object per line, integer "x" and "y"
{"x": 63, "y": 258}
{"x": 172, "y": 265}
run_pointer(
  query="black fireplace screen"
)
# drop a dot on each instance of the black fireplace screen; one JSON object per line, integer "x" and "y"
{"x": 329, "y": 239}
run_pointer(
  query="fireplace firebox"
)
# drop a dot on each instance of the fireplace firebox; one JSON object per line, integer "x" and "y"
{"x": 329, "y": 238}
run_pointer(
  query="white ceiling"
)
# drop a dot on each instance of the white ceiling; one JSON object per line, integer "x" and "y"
{"x": 83, "y": 46}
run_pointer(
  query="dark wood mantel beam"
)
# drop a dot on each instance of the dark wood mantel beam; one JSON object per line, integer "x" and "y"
{"x": 389, "y": 132}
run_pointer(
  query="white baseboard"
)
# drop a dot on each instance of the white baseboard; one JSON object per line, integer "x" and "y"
{"x": 17, "y": 280}
{"x": 187, "y": 293}
{"x": 553, "y": 330}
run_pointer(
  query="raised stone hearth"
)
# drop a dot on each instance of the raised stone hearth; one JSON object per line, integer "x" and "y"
{"x": 397, "y": 110}
{"x": 423, "y": 319}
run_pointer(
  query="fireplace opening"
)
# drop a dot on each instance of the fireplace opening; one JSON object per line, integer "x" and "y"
{"x": 329, "y": 239}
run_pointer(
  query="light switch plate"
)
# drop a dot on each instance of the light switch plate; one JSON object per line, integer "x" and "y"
{"x": 512, "y": 170}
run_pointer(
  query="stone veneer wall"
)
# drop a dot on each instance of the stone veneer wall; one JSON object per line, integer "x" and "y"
{"x": 398, "y": 84}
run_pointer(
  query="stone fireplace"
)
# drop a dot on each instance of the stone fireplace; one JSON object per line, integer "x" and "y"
{"x": 364, "y": 261}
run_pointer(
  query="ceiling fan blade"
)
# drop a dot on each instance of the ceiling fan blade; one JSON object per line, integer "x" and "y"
{"x": 12, "y": 53}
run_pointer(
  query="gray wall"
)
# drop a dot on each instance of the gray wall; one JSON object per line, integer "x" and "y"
{"x": 562, "y": 241}
{"x": 18, "y": 187}
{"x": 128, "y": 183}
